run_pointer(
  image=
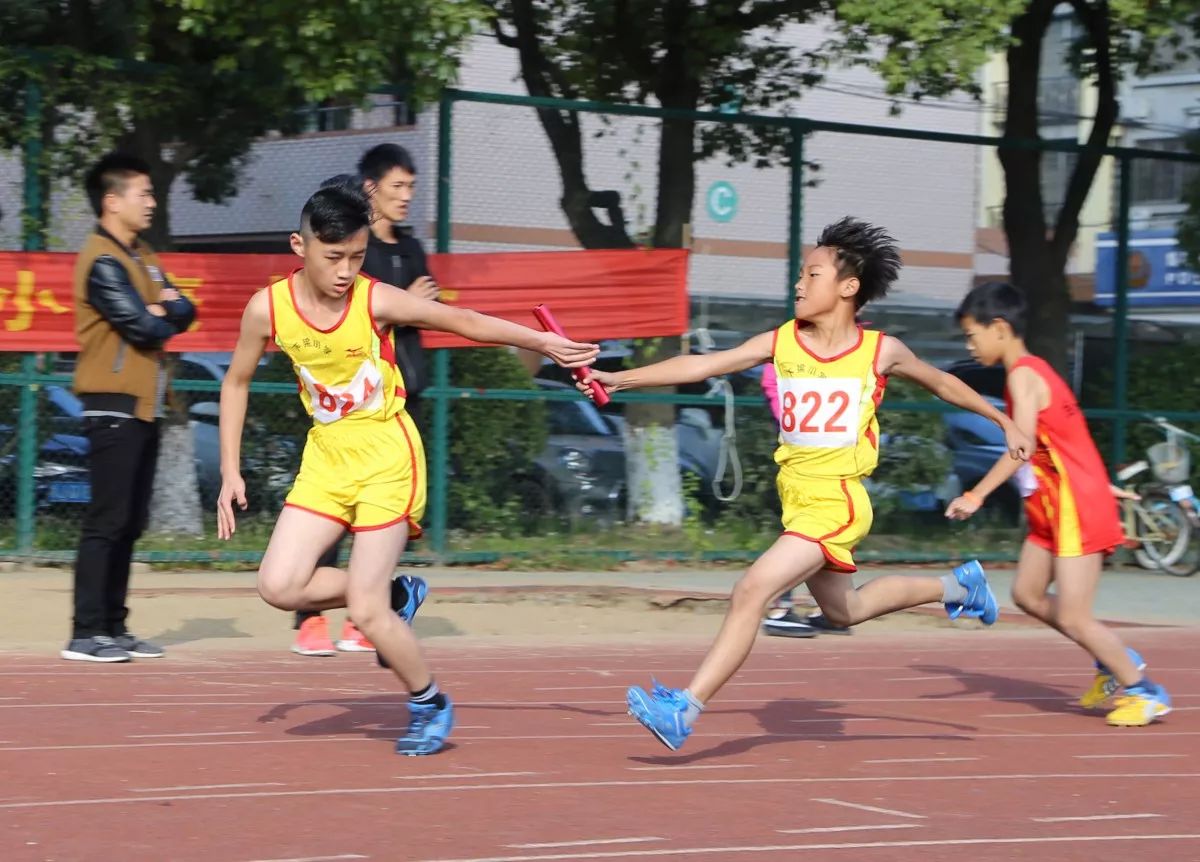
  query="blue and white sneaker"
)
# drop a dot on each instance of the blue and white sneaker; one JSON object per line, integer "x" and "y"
{"x": 980, "y": 602}
{"x": 660, "y": 711}
{"x": 408, "y": 594}
{"x": 428, "y": 728}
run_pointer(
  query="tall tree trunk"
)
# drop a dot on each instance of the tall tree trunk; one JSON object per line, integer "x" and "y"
{"x": 655, "y": 486}
{"x": 176, "y": 504}
{"x": 1030, "y": 261}
{"x": 1038, "y": 256}
{"x": 651, "y": 448}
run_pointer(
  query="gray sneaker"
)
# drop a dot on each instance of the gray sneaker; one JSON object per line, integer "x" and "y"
{"x": 100, "y": 648}
{"x": 138, "y": 648}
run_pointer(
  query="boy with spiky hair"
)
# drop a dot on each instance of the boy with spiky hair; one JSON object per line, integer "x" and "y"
{"x": 831, "y": 376}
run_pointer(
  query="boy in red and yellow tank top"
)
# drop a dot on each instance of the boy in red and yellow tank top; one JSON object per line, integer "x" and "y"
{"x": 363, "y": 467}
{"x": 1073, "y": 520}
{"x": 831, "y": 376}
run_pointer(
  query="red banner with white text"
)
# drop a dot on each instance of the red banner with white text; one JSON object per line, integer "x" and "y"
{"x": 627, "y": 293}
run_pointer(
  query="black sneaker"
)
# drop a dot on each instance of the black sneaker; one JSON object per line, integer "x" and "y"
{"x": 818, "y": 622}
{"x": 100, "y": 648}
{"x": 138, "y": 648}
{"x": 789, "y": 624}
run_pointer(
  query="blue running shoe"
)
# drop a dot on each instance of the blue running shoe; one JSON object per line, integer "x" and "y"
{"x": 981, "y": 602}
{"x": 408, "y": 594}
{"x": 660, "y": 711}
{"x": 428, "y": 728}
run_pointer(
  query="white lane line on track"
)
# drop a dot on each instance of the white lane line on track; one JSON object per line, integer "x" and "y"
{"x": 922, "y": 760}
{"x": 205, "y": 787}
{"x": 584, "y": 843}
{"x": 798, "y": 849}
{"x": 871, "y": 808}
{"x": 619, "y": 783}
{"x": 813, "y": 829}
{"x": 1093, "y": 817}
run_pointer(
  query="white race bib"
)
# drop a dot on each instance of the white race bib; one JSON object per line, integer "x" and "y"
{"x": 820, "y": 412}
{"x": 331, "y": 403}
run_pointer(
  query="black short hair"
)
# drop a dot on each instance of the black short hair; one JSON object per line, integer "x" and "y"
{"x": 335, "y": 213}
{"x": 110, "y": 175}
{"x": 349, "y": 182}
{"x": 995, "y": 300}
{"x": 866, "y": 252}
{"x": 382, "y": 158}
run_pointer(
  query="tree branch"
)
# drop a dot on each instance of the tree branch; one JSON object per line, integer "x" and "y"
{"x": 562, "y": 129}
{"x": 763, "y": 13}
{"x": 503, "y": 38}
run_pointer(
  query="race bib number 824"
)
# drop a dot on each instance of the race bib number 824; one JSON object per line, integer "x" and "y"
{"x": 331, "y": 403}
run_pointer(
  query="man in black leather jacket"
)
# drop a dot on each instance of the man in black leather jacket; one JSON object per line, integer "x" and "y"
{"x": 125, "y": 311}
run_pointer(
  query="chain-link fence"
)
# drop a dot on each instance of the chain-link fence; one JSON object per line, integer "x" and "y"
{"x": 520, "y": 465}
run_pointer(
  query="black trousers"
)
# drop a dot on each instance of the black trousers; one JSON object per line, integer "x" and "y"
{"x": 330, "y": 557}
{"x": 122, "y": 458}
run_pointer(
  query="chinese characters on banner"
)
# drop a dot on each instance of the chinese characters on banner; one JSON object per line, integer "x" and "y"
{"x": 594, "y": 294}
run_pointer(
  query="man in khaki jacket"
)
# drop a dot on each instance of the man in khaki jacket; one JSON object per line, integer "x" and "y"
{"x": 125, "y": 310}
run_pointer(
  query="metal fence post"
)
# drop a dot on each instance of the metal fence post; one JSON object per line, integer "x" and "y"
{"x": 440, "y": 449}
{"x": 795, "y": 243}
{"x": 1121, "y": 310}
{"x": 33, "y": 229}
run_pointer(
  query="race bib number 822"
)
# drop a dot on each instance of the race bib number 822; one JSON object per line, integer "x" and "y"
{"x": 820, "y": 412}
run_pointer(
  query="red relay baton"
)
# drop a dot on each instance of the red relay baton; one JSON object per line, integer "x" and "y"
{"x": 546, "y": 319}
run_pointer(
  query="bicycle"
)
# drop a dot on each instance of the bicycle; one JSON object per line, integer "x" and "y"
{"x": 1162, "y": 522}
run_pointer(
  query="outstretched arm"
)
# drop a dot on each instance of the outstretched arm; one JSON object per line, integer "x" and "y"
{"x": 896, "y": 358}
{"x": 394, "y": 307}
{"x": 235, "y": 393}
{"x": 687, "y": 369}
{"x": 1025, "y": 389}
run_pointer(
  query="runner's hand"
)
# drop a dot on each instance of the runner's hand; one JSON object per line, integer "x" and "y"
{"x": 232, "y": 490}
{"x": 568, "y": 353}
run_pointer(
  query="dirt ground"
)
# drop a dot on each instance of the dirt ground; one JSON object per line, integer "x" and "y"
{"x": 222, "y": 611}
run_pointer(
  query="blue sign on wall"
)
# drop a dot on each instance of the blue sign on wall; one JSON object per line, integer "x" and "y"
{"x": 1158, "y": 270}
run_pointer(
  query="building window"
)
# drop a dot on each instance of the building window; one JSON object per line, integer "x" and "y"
{"x": 1161, "y": 182}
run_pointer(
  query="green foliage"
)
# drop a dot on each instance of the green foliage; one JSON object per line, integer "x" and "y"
{"x": 1161, "y": 378}
{"x": 492, "y": 443}
{"x": 192, "y": 83}
{"x": 936, "y": 47}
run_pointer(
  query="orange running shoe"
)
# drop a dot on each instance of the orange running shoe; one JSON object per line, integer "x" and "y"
{"x": 313, "y": 638}
{"x": 353, "y": 640}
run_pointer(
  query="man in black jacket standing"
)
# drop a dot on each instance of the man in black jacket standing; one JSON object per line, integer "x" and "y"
{"x": 394, "y": 256}
{"x": 125, "y": 311}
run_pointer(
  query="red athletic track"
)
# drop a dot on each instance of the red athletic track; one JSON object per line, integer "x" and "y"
{"x": 923, "y": 746}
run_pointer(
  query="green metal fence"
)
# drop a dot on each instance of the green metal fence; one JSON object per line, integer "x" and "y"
{"x": 800, "y": 194}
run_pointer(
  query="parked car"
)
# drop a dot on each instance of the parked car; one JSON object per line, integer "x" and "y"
{"x": 977, "y": 443}
{"x": 581, "y": 471}
{"x": 61, "y": 476}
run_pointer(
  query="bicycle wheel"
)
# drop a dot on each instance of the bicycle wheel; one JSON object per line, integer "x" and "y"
{"x": 1165, "y": 531}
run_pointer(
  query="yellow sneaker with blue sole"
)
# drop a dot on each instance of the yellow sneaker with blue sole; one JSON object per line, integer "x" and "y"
{"x": 1140, "y": 706}
{"x": 1105, "y": 685}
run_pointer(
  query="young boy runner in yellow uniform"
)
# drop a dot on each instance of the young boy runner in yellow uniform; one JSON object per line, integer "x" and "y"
{"x": 1072, "y": 514}
{"x": 363, "y": 467}
{"x": 831, "y": 376}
